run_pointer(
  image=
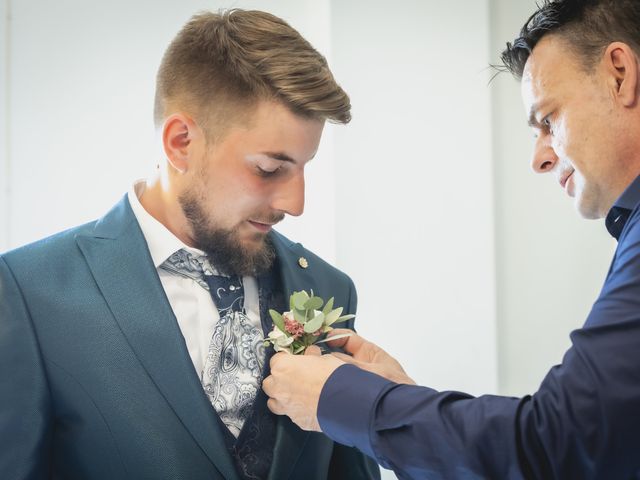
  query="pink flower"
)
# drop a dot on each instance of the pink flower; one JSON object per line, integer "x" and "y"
{"x": 292, "y": 326}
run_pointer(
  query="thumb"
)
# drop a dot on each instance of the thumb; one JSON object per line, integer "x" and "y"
{"x": 313, "y": 350}
{"x": 350, "y": 344}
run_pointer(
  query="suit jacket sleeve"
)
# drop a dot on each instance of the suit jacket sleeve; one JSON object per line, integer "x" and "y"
{"x": 24, "y": 396}
{"x": 583, "y": 422}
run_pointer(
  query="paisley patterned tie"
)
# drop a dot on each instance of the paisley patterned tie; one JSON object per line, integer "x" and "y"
{"x": 233, "y": 368}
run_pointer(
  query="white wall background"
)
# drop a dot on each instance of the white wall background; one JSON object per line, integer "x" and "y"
{"x": 470, "y": 269}
{"x": 414, "y": 184}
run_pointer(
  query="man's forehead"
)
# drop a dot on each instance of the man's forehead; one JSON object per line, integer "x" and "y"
{"x": 527, "y": 88}
{"x": 552, "y": 50}
{"x": 543, "y": 73}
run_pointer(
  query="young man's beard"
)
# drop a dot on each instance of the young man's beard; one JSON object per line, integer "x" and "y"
{"x": 223, "y": 247}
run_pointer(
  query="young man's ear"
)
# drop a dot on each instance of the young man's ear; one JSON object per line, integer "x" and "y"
{"x": 178, "y": 135}
{"x": 621, "y": 63}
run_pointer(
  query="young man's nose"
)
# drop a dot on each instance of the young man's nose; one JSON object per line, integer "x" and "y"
{"x": 289, "y": 197}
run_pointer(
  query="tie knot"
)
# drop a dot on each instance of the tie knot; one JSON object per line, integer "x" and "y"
{"x": 189, "y": 265}
{"x": 227, "y": 292}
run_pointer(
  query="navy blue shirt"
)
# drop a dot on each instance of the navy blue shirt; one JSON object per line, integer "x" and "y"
{"x": 583, "y": 422}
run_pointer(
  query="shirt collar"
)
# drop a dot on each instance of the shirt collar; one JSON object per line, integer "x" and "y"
{"x": 622, "y": 208}
{"x": 161, "y": 242}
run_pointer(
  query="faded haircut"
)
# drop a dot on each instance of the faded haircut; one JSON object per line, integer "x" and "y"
{"x": 221, "y": 64}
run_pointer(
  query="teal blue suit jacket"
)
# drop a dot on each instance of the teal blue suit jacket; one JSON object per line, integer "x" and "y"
{"x": 95, "y": 378}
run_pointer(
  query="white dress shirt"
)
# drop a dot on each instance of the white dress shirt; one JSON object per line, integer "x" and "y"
{"x": 191, "y": 304}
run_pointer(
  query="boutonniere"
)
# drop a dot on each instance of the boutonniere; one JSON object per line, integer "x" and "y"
{"x": 305, "y": 324}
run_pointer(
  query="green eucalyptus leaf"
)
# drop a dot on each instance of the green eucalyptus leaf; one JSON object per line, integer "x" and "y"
{"x": 278, "y": 321}
{"x": 333, "y": 316}
{"x": 344, "y": 318}
{"x": 299, "y": 315}
{"x": 314, "y": 303}
{"x": 315, "y": 323}
{"x": 299, "y": 299}
{"x": 300, "y": 349}
{"x": 328, "y": 307}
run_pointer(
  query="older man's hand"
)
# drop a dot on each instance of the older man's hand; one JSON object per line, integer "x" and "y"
{"x": 296, "y": 381}
{"x": 295, "y": 384}
{"x": 369, "y": 356}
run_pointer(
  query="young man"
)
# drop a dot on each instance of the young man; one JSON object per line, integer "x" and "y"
{"x": 579, "y": 63}
{"x": 131, "y": 347}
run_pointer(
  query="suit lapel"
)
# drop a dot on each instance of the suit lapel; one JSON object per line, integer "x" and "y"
{"x": 290, "y": 440}
{"x": 120, "y": 262}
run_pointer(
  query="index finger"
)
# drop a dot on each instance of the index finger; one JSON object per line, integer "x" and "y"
{"x": 350, "y": 344}
{"x": 341, "y": 341}
{"x": 267, "y": 385}
{"x": 276, "y": 358}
